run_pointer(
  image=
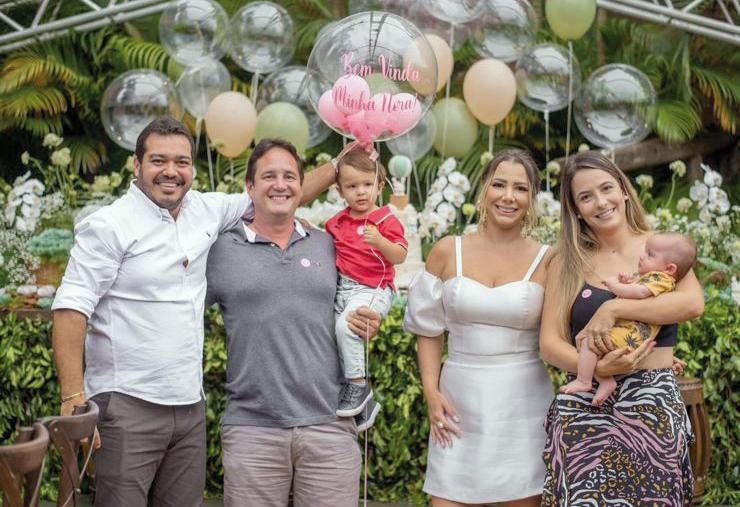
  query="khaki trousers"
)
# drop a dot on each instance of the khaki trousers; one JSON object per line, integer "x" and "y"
{"x": 150, "y": 454}
{"x": 322, "y": 462}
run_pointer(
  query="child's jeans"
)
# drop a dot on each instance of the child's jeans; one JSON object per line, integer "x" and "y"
{"x": 350, "y": 296}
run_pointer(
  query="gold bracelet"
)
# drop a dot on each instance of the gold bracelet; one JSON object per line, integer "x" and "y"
{"x": 65, "y": 399}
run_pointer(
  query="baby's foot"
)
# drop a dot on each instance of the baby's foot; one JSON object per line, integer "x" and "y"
{"x": 576, "y": 386}
{"x": 606, "y": 388}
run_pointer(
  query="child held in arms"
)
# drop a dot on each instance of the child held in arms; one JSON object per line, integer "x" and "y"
{"x": 666, "y": 259}
{"x": 369, "y": 240}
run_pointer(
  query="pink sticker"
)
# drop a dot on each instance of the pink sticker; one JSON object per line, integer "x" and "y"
{"x": 586, "y": 293}
{"x": 360, "y": 230}
{"x": 305, "y": 263}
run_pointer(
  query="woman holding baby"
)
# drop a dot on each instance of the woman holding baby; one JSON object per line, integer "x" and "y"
{"x": 634, "y": 446}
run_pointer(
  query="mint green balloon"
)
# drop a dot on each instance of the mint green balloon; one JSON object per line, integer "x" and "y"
{"x": 286, "y": 121}
{"x": 570, "y": 19}
{"x": 462, "y": 127}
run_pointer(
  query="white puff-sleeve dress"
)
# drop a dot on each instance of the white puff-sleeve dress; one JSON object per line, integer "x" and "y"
{"x": 494, "y": 378}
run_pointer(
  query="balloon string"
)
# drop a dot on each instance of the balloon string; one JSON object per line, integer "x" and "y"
{"x": 447, "y": 97}
{"x": 231, "y": 168}
{"x": 570, "y": 100}
{"x": 198, "y": 124}
{"x": 344, "y": 141}
{"x": 491, "y": 134}
{"x": 210, "y": 165}
{"x": 547, "y": 148}
{"x": 253, "y": 87}
{"x": 418, "y": 184}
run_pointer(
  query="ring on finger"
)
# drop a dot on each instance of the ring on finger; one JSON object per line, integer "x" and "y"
{"x": 440, "y": 425}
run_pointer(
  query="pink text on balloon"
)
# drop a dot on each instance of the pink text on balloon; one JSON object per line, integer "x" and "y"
{"x": 387, "y": 69}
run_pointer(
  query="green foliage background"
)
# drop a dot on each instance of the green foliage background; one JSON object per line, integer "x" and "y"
{"x": 397, "y": 446}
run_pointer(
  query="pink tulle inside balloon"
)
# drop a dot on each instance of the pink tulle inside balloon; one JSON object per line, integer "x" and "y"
{"x": 330, "y": 113}
{"x": 350, "y": 93}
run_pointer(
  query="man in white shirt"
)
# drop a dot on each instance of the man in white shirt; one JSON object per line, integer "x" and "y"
{"x": 133, "y": 297}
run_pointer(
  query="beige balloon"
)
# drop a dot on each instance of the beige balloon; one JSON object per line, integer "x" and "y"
{"x": 430, "y": 81}
{"x": 231, "y": 121}
{"x": 489, "y": 89}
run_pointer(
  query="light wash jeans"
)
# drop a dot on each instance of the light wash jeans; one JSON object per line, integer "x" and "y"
{"x": 350, "y": 296}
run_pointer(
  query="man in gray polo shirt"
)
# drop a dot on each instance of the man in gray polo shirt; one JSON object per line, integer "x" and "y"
{"x": 275, "y": 282}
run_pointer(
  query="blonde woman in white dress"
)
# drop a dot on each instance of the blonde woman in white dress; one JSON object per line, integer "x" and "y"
{"x": 487, "y": 404}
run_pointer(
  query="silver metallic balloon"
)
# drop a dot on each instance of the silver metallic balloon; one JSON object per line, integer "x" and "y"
{"x": 262, "y": 38}
{"x": 194, "y": 30}
{"x": 416, "y": 142}
{"x": 455, "y": 11}
{"x": 617, "y": 106}
{"x": 133, "y": 100}
{"x": 542, "y": 76}
{"x": 200, "y": 84}
{"x": 505, "y": 31}
{"x": 290, "y": 84}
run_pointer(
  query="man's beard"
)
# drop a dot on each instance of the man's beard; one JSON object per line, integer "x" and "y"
{"x": 164, "y": 205}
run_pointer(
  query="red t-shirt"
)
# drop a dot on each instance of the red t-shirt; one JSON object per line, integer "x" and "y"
{"x": 355, "y": 258}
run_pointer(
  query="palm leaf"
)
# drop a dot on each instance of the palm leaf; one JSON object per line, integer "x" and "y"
{"x": 677, "y": 121}
{"x": 88, "y": 153}
{"x": 723, "y": 92}
{"x": 40, "y": 126}
{"x": 21, "y": 102}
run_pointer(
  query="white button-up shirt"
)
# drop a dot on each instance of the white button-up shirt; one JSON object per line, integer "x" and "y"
{"x": 140, "y": 278}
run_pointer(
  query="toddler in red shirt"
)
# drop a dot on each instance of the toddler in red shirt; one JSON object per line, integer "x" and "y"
{"x": 369, "y": 240}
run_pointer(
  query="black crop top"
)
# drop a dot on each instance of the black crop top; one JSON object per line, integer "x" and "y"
{"x": 591, "y": 298}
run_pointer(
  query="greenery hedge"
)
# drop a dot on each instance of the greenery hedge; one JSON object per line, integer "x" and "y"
{"x": 397, "y": 446}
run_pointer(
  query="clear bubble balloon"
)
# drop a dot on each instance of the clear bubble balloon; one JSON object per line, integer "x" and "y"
{"x": 542, "y": 76}
{"x": 505, "y": 31}
{"x": 262, "y": 38}
{"x": 290, "y": 84}
{"x": 428, "y": 23}
{"x": 616, "y": 107}
{"x": 362, "y": 71}
{"x": 416, "y": 142}
{"x": 400, "y": 166}
{"x": 194, "y": 30}
{"x": 455, "y": 11}
{"x": 200, "y": 84}
{"x": 133, "y": 100}
{"x": 400, "y": 7}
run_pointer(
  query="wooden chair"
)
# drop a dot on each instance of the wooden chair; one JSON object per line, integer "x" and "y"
{"x": 23, "y": 462}
{"x": 67, "y": 434}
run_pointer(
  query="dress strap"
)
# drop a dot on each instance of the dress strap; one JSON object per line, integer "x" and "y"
{"x": 535, "y": 262}
{"x": 458, "y": 256}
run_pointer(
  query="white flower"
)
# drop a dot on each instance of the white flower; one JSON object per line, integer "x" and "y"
{"x": 699, "y": 193}
{"x": 25, "y": 158}
{"x": 664, "y": 214}
{"x": 129, "y": 163}
{"x": 438, "y": 185}
{"x": 583, "y": 147}
{"x": 447, "y": 211}
{"x": 711, "y": 178}
{"x": 684, "y": 205}
{"x": 433, "y": 200}
{"x": 46, "y": 291}
{"x": 20, "y": 180}
{"x": 454, "y": 195}
{"x": 723, "y": 223}
{"x": 553, "y": 168}
{"x": 26, "y": 290}
{"x": 718, "y": 201}
{"x": 678, "y": 167}
{"x": 645, "y": 181}
{"x": 437, "y": 224}
{"x": 546, "y": 204}
{"x": 736, "y": 290}
{"x": 459, "y": 180}
{"x": 61, "y": 158}
{"x": 447, "y": 167}
{"x": 652, "y": 221}
{"x": 332, "y": 195}
{"x": 485, "y": 158}
{"x": 705, "y": 215}
{"x": 52, "y": 140}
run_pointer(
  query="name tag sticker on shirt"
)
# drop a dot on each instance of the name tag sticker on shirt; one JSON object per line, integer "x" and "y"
{"x": 360, "y": 230}
{"x": 586, "y": 293}
{"x": 305, "y": 263}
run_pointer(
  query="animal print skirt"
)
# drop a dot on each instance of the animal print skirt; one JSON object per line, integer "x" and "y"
{"x": 633, "y": 450}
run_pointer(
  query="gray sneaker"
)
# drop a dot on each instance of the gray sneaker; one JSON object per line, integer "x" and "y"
{"x": 365, "y": 419}
{"x": 353, "y": 398}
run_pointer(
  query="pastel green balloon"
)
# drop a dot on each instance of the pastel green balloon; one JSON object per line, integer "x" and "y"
{"x": 462, "y": 127}
{"x": 286, "y": 121}
{"x": 570, "y": 19}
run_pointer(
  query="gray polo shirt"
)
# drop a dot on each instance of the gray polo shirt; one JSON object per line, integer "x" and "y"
{"x": 278, "y": 308}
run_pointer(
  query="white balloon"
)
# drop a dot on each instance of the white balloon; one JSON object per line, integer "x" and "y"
{"x": 416, "y": 142}
{"x": 133, "y": 100}
{"x": 194, "y": 30}
{"x": 200, "y": 84}
{"x": 262, "y": 38}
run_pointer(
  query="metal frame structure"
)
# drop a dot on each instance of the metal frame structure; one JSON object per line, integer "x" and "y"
{"x": 47, "y": 25}
{"x": 691, "y": 17}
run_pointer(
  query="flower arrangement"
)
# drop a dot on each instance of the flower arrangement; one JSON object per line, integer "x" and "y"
{"x": 52, "y": 245}
{"x": 16, "y": 262}
{"x": 23, "y": 204}
{"x": 446, "y": 196}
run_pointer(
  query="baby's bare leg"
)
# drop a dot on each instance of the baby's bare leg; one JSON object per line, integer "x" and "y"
{"x": 607, "y": 385}
{"x": 586, "y": 366}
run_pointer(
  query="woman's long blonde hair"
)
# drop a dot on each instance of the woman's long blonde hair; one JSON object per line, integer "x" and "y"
{"x": 577, "y": 241}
